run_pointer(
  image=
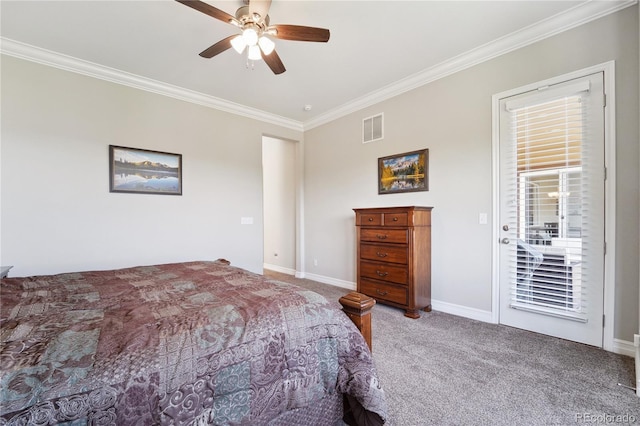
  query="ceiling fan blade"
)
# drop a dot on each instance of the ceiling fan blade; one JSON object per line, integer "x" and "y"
{"x": 300, "y": 33}
{"x": 219, "y": 47}
{"x": 274, "y": 62}
{"x": 207, "y": 9}
{"x": 261, "y": 7}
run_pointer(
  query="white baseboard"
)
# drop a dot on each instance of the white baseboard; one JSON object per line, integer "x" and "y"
{"x": 461, "y": 311}
{"x": 436, "y": 305}
{"x": 277, "y": 268}
{"x": 314, "y": 277}
{"x": 623, "y": 347}
{"x": 349, "y": 285}
{"x": 445, "y": 307}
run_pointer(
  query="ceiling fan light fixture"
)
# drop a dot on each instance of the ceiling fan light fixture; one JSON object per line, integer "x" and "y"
{"x": 250, "y": 36}
{"x": 238, "y": 44}
{"x": 266, "y": 45}
{"x": 254, "y": 53}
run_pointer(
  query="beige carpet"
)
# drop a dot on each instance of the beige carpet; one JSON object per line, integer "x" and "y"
{"x": 443, "y": 369}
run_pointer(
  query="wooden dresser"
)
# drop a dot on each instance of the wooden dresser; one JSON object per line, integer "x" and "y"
{"x": 394, "y": 256}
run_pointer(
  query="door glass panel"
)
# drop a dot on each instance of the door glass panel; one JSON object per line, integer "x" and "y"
{"x": 550, "y": 244}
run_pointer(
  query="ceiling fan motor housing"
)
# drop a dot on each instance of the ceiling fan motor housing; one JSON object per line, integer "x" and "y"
{"x": 244, "y": 17}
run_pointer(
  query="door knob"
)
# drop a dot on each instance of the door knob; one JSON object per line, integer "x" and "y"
{"x": 504, "y": 241}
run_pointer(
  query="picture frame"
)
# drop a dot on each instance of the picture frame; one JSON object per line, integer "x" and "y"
{"x": 143, "y": 171}
{"x": 406, "y": 172}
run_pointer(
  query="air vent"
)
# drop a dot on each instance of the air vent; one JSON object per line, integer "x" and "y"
{"x": 372, "y": 128}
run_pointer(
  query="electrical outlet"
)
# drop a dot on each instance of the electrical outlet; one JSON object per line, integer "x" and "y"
{"x": 315, "y": 262}
{"x": 636, "y": 340}
{"x": 482, "y": 219}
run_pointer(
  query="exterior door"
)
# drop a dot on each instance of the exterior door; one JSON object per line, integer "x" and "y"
{"x": 551, "y": 218}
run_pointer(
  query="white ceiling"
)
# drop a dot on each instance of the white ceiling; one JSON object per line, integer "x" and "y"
{"x": 377, "y": 48}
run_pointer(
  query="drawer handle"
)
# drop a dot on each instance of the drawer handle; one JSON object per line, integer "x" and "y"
{"x": 381, "y": 236}
{"x": 382, "y": 293}
{"x": 370, "y": 219}
{"x": 381, "y": 254}
{"x": 382, "y": 274}
{"x": 395, "y": 218}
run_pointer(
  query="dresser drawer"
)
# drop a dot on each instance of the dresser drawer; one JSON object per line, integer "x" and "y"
{"x": 396, "y": 219}
{"x": 370, "y": 219}
{"x": 384, "y": 291}
{"x": 381, "y": 235}
{"x": 384, "y": 252}
{"x": 384, "y": 271}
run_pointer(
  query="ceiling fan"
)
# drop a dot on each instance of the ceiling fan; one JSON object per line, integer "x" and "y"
{"x": 253, "y": 20}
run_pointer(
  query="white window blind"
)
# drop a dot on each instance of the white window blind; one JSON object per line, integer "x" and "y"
{"x": 548, "y": 263}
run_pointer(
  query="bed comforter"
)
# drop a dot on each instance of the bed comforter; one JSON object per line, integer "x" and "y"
{"x": 184, "y": 343}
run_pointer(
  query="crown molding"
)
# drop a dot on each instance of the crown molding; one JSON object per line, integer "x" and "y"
{"x": 579, "y": 15}
{"x": 68, "y": 63}
{"x": 574, "y": 17}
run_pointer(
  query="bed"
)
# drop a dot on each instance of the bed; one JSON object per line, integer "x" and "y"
{"x": 183, "y": 343}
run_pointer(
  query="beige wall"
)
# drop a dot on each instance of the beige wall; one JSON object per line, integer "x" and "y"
{"x": 57, "y": 212}
{"x": 279, "y": 181}
{"x": 452, "y": 118}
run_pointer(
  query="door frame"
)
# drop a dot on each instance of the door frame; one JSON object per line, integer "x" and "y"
{"x": 608, "y": 68}
{"x": 299, "y": 265}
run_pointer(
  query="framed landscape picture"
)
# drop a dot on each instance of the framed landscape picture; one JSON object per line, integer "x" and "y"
{"x": 143, "y": 171}
{"x": 407, "y": 172}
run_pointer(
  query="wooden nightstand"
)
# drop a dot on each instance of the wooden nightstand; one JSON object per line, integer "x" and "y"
{"x": 4, "y": 271}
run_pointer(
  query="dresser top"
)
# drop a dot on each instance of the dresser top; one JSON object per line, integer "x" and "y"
{"x": 391, "y": 209}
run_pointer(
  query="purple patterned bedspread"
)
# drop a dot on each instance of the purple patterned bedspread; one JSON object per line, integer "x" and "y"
{"x": 186, "y": 343}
